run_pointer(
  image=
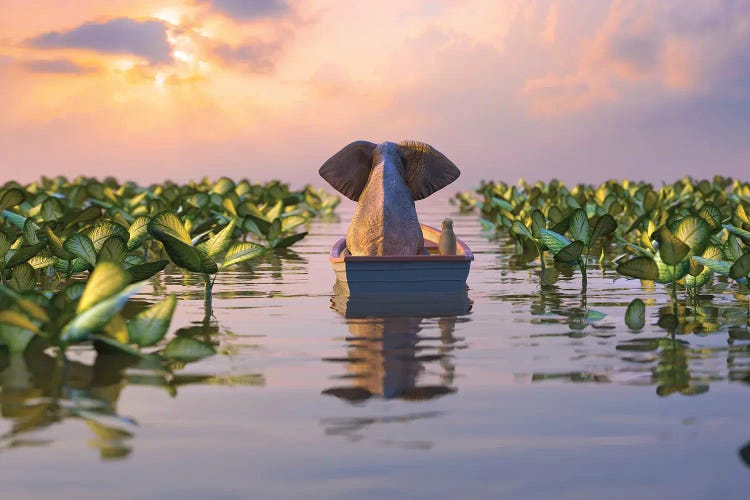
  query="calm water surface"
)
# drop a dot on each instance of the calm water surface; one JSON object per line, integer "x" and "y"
{"x": 521, "y": 389}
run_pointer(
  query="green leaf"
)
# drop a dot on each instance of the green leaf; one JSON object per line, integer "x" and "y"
{"x": 579, "y": 227}
{"x": 745, "y": 235}
{"x": 552, "y": 240}
{"x": 168, "y": 224}
{"x": 138, "y": 231}
{"x": 182, "y": 254}
{"x": 694, "y": 232}
{"x": 151, "y": 325}
{"x": 275, "y": 230}
{"x": 486, "y": 224}
{"x": 11, "y": 198}
{"x": 96, "y": 316}
{"x": 15, "y": 338}
{"x": 732, "y": 248}
{"x": 187, "y": 349}
{"x": 538, "y": 222}
{"x": 15, "y": 318}
{"x": 291, "y": 221}
{"x": 571, "y": 253}
{"x": 5, "y": 244}
{"x": 15, "y": 219}
{"x": 641, "y": 267}
{"x": 712, "y": 216}
{"x": 41, "y": 262}
{"x": 23, "y": 278}
{"x": 669, "y": 272}
{"x": 141, "y": 272}
{"x": 275, "y": 212}
{"x": 81, "y": 246}
{"x": 86, "y": 215}
{"x": 520, "y": 229}
{"x": 671, "y": 249}
{"x": 56, "y": 246}
{"x": 23, "y": 254}
{"x": 29, "y": 232}
{"x": 635, "y": 314}
{"x": 219, "y": 242}
{"x": 106, "y": 280}
{"x": 289, "y": 240}
{"x": 114, "y": 249}
{"x": 741, "y": 268}
{"x": 604, "y": 226}
{"x": 103, "y": 231}
{"x": 242, "y": 251}
{"x": 29, "y": 307}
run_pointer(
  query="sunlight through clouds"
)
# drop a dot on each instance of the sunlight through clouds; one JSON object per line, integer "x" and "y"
{"x": 221, "y": 87}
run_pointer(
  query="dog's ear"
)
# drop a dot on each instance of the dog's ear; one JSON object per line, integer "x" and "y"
{"x": 348, "y": 170}
{"x": 426, "y": 169}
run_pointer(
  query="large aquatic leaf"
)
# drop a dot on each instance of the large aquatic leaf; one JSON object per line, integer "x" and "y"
{"x": 538, "y": 222}
{"x": 17, "y": 220}
{"x": 23, "y": 278}
{"x": 141, "y": 272}
{"x": 114, "y": 249}
{"x": 29, "y": 307}
{"x": 289, "y": 240}
{"x": 5, "y": 244}
{"x": 22, "y": 254}
{"x": 56, "y": 245}
{"x": 741, "y": 268}
{"x": 15, "y": 318}
{"x": 520, "y": 229}
{"x": 81, "y": 246}
{"x": 579, "y": 228}
{"x": 86, "y": 215}
{"x": 291, "y": 221}
{"x": 29, "y": 232}
{"x": 552, "y": 240}
{"x": 712, "y": 215}
{"x": 241, "y": 252}
{"x": 669, "y": 273}
{"x": 635, "y": 314}
{"x": 107, "y": 279}
{"x": 640, "y": 267}
{"x": 219, "y": 242}
{"x": 604, "y": 226}
{"x": 745, "y": 235}
{"x": 103, "y": 231}
{"x": 168, "y": 224}
{"x": 151, "y": 325}
{"x": 11, "y": 197}
{"x": 571, "y": 253}
{"x": 95, "y": 317}
{"x": 695, "y": 233}
{"x": 15, "y": 338}
{"x": 138, "y": 231}
{"x": 671, "y": 249}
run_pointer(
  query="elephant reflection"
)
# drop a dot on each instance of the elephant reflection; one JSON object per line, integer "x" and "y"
{"x": 387, "y": 356}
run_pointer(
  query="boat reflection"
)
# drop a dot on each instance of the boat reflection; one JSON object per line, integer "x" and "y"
{"x": 388, "y": 353}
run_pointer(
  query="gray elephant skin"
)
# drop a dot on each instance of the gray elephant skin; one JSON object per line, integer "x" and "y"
{"x": 385, "y": 179}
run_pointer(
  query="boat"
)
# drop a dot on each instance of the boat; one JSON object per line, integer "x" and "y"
{"x": 429, "y": 273}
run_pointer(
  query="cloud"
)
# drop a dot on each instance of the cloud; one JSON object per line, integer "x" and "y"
{"x": 147, "y": 39}
{"x": 248, "y": 10}
{"x": 256, "y": 55}
{"x": 57, "y": 66}
{"x": 661, "y": 48}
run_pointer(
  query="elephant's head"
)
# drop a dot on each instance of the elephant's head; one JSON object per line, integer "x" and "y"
{"x": 386, "y": 179}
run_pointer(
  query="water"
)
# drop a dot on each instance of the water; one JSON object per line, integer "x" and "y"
{"x": 518, "y": 390}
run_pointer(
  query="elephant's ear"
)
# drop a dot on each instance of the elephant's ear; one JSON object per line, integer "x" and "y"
{"x": 426, "y": 169}
{"x": 348, "y": 170}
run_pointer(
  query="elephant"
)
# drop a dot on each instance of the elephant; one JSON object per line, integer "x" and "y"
{"x": 385, "y": 180}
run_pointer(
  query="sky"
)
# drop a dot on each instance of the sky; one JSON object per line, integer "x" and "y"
{"x": 582, "y": 91}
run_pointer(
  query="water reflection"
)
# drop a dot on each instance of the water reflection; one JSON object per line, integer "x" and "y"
{"x": 39, "y": 389}
{"x": 387, "y": 354}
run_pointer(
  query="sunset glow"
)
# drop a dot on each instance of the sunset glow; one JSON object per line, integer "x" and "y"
{"x": 582, "y": 91}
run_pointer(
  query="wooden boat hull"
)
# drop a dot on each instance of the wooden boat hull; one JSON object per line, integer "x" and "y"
{"x": 418, "y": 274}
